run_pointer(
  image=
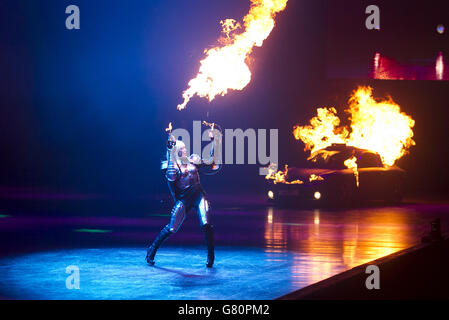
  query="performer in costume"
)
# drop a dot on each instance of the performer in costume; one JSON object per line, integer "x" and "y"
{"x": 182, "y": 173}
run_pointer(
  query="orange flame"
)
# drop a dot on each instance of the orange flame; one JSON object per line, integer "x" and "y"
{"x": 352, "y": 164}
{"x": 226, "y": 67}
{"x": 280, "y": 176}
{"x": 379, "y": 126}
{"x": 314, "y": 177}
{"x": 169, "y": 128}
{"x": 322, "y": 132}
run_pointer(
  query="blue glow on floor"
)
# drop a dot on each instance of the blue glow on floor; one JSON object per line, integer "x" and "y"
{"x": 239, "y": 273}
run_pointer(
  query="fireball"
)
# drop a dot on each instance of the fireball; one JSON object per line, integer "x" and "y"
{"x": 225, "y": 67}
{"x": 376, "y": 125}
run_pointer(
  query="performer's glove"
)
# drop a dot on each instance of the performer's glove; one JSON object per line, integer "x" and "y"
{"x": 171, "y": 143}
{"x": 211, "y": 135}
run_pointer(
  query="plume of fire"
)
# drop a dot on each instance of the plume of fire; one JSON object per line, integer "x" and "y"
{"x": 279, "y": 176}
{"x": 351, "y": 163}
{"x": 323, "y": 131}
{"x": 379, "y": 126}
{"x": 225, "y": 67}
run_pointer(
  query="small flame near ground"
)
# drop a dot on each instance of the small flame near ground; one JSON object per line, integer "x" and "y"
{"x": 226, "y": 67}
{"x": 279, "y": 176}
{"x": 314, "y": 177}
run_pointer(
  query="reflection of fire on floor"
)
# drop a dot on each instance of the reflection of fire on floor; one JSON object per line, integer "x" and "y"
{"x": 278, "y": 248}
{"x": 180, "y": 273}
{"x": 329, "y": 243}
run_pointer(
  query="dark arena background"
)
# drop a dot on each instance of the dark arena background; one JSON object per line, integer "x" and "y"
{"x": 83, "y": 114}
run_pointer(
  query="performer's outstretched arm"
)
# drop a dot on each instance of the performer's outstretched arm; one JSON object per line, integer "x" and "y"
{"x": 172, "y": 172}
{"x": 211, "y": 161}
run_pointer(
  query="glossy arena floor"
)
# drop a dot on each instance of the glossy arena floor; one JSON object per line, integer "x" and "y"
{"x": 120, "y": 273}
{"x": 262, "y": 252}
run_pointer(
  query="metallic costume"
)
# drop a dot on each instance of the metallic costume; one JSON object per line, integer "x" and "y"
{"x": 184, "y": 184}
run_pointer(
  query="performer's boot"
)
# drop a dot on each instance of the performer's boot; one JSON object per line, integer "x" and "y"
{"x": 208, "y": 231}
{"x": 161, "y": 237}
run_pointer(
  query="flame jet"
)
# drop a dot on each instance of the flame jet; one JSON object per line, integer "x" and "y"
{"x": 225, "y": 67}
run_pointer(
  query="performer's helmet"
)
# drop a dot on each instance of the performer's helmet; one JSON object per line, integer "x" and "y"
{"x": 179, "y": 146}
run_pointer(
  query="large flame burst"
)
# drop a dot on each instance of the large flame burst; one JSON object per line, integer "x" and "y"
{"x": 225, "y": 67}
{"x": 379, "y": 126}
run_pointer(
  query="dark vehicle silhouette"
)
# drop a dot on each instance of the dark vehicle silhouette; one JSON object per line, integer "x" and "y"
{"x": 328, "y": 180}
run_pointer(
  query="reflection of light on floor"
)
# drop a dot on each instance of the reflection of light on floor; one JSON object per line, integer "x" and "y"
{"x": 324, "y": 244}
{"x": 270, "y": 215}
{"x": 439, "y": 66}
{"x": 316, "y": 219}
{"x": 4, "y": 216}
{"x": 314, "y": 268}
{"x": 122, "y": 274}
{"x": 275, "y": 237}
{"x": 350, "y": 243}
{"x": 92, "y": 231}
